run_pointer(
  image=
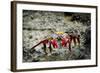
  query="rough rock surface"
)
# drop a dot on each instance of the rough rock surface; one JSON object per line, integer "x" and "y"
{"x": 37, "y": 25}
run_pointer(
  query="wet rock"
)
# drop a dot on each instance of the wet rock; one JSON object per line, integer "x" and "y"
{"x": 38, "y": 25}
{"x": 35, "y": 60}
